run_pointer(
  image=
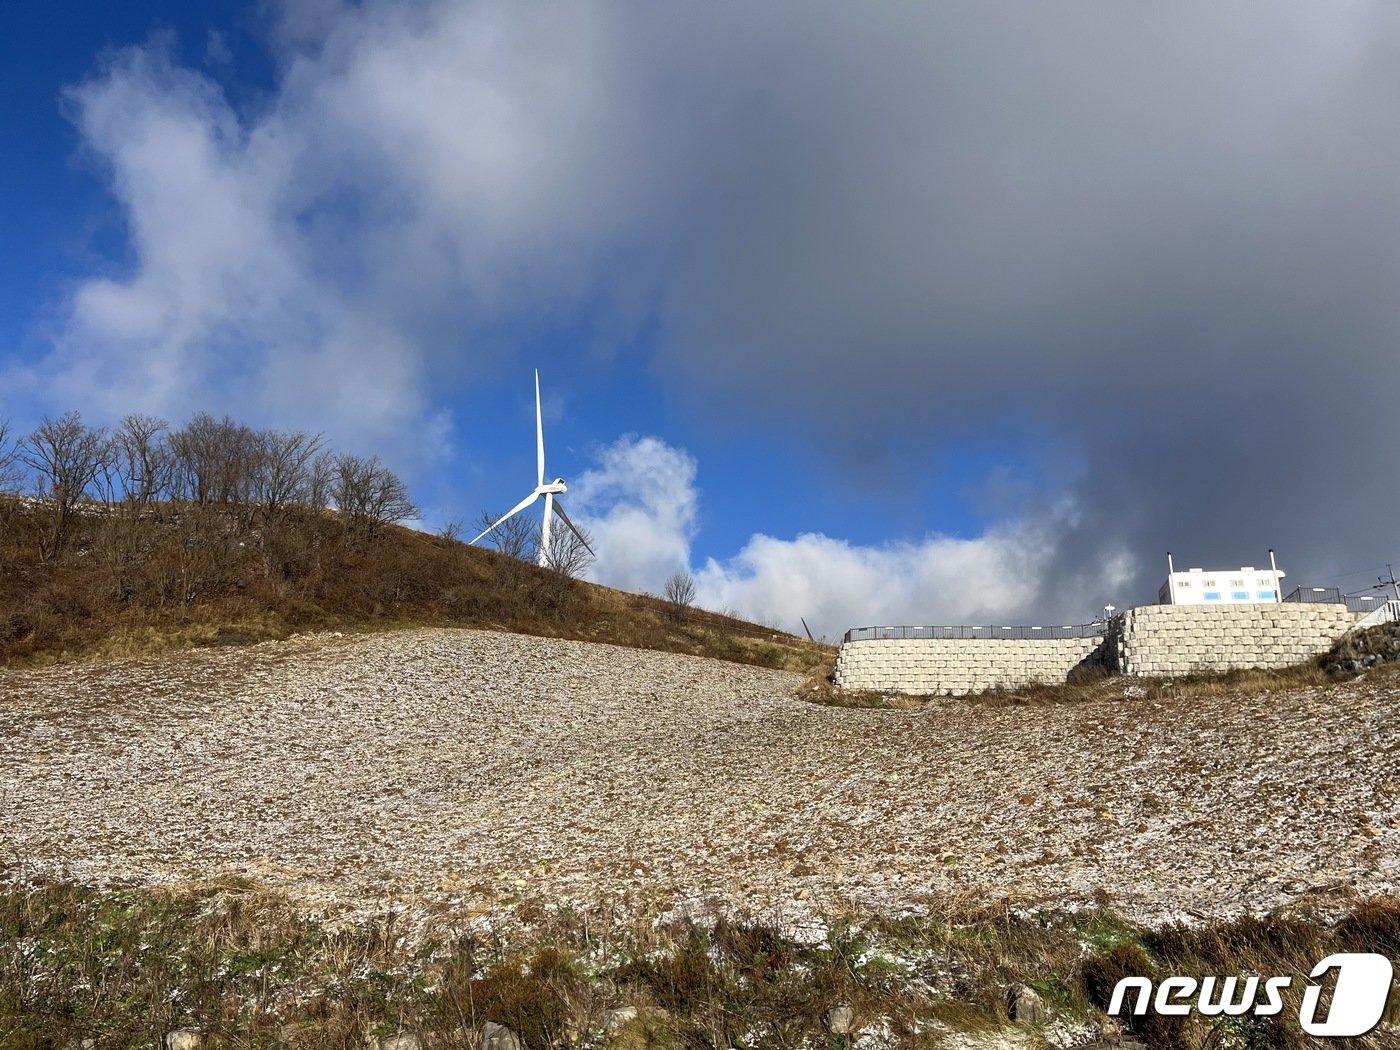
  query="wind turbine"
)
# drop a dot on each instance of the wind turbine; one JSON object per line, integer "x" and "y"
{"x": 554, "y": 488}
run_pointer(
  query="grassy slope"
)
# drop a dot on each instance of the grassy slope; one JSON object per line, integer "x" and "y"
{"x": 181, "y": 577}
{"x": 247, "y": 969}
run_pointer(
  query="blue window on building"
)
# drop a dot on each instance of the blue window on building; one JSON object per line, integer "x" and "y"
{"x": 1212, "y": 596}
{"x": 1266, "y": 596}
{"x": 1239, "y": 596}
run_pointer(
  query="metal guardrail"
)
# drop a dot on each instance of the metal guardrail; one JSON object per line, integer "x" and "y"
{"x": 1365, "y": 603}
{"x": 1360, "y": 604}
{"x": 1383, "y": 611}
{"x": 1357, "y": 603}
{"x": 1327, "y": 595}
{"x": 871, "y": 634}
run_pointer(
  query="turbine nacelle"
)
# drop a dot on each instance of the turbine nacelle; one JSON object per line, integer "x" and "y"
{"x": 548, "y": 491}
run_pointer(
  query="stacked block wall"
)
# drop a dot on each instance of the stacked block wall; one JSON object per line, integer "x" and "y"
{"x": 1168, "y": 640}
{"x": 1151, "y": 640}
{"x": 957, "y": 665}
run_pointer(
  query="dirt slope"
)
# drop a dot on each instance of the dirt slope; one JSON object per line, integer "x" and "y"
{"x": 475, "y": 767}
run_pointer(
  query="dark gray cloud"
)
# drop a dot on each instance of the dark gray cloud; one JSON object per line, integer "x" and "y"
{"x": 1169, "y": 235}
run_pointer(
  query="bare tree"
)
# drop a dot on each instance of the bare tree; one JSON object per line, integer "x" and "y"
{"x": 143, "y": 463}
{"x": 11, "y": 470}
{"x": 66, "y": 456}
{"x": 215, "y": 460}
{"x": 369, "y": 494}
{"x": 282, "y": 473}
{"x": 138, "y": 471}
{"x": 516, "y": 537}
{"x": 320, "y": 480}
{"x": 11, "y": 477}
{"x": 569, "y": 554}
{"x": 680, "y": 592}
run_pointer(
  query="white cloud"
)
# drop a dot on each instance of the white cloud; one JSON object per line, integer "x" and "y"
{"x": 417, "y": 182}
{"x": 640, "y": 504}
{"x": 999, "y": 577}
{"x": 224, "y": 305}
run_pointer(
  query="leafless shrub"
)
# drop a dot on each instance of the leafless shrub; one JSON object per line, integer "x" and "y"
{"x": 283, "y": 470}
{"x": 66, "y": 457}
{"x": 680, "y": 592}
{"x": 519, "y": 537}
{"x": 206, "y": 551}
{"x": 369, "y": 494}
{"x": 516, "y": 537}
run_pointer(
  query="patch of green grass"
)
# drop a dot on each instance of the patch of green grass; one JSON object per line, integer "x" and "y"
{"x": 1103, "y": 930}
{"x": 1058, "y": 995}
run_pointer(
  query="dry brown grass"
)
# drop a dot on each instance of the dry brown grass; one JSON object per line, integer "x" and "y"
{"x": 1191, "y": 686}
{"x": 245, "y": 968}
{"x": 189, "y": 576}
{"x": 1226, "y": 683}
{"x": 1089, "y": 687}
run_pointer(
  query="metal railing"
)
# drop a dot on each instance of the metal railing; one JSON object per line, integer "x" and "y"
{"x": 871, "y": 634}
{"x": 1327, "y": 595}
{"x": 1382, "y": 611}
{"x": 1357, "y": 603}
{"x": 1366, "y": 603}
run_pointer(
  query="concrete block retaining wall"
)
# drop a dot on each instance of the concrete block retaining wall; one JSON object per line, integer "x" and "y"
{"x": 1151, "y": 640}
{"x": 957, "y": 665}
{"x": 1170, "y": 640}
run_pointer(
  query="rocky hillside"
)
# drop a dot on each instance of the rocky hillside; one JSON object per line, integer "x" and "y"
{"x": 463, "y": 765}
{"x": 1363, "y": 650}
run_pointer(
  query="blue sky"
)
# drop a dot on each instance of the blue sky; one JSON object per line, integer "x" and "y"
{"x": 964, "y": 313}
{"x": 59, "y": 220}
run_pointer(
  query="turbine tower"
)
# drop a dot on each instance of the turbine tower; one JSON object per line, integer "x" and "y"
{"x": 556, "y": 487}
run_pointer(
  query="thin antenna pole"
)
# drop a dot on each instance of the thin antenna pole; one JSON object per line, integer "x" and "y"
{"x": 1278, "y": 590}
{"x": 1171, "y": 578}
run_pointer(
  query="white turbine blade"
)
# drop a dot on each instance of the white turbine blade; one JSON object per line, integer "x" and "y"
{"x": 544, "y": 529}
{"x": 559, "y": 509}
{"x": 539, "y": 429}
{"x": 513, "y": 510}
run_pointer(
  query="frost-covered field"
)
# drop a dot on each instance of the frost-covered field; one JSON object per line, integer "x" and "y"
{"x": 470, "y": 768}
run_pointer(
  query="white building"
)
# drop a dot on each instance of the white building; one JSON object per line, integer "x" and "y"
{"x": 1223, "y": 587}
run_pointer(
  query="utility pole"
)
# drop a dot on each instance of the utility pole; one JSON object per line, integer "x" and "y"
{"x": 1394, "y": 586}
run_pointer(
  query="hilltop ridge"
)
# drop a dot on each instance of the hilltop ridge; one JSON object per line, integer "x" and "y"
{"x": 178, "y": 575}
